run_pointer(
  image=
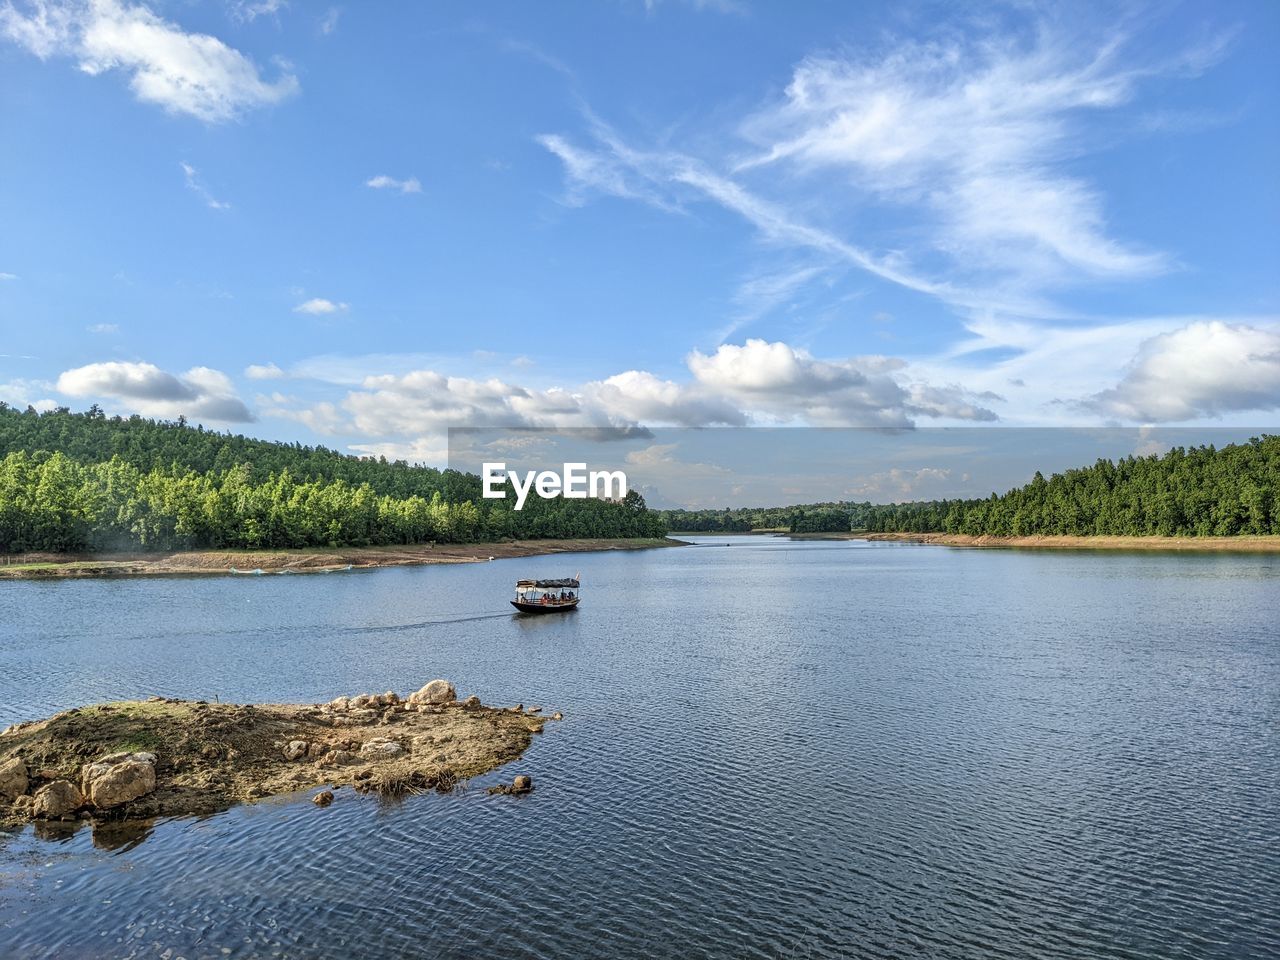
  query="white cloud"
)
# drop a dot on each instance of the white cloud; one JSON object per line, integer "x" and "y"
{"x": 900, "y": 484}
{"x": 329, "y": 22}
{"x": 318, "y": 306}
{"x": 189, "y": 73}
{"x": 249, "y": 10}
{"x": 1205, "y": 369}
{"x": 103, "y": 328}
{"x": 22, "y": 393}
{"x": 196, "y": 186}
{"x": 755, "y": 383}
{"x": 973, "y": 136}
{"x": 200, "y": 393}
{"x": 263, "y": 371}
{"x": 383, "y": 182}
{"x": 783, "y": 383}
{"x": 8, "y": 276}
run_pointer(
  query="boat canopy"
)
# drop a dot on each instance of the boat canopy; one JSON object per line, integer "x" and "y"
{"x": 548, "y": 584}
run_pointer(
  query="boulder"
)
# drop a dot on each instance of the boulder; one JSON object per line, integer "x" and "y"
{"x": 435, "y": 692}
{"x": 364, "y": 701}
{"x": 336, "y": 758}
{"x": 522, "y": 784}
{"x": 58, "y": 799}
{"x": 472, "y": 703}
{"x": 118, "y": 778}
{"x": 557, "y": 715}
{"x": 295, "y": 749}
{"x": 340, "y": 703}
{"x": 13, "y": 777}
{"x": 323, "y": 798}
{"x": 318, "y": 750}
{"x": 381, "y": 748}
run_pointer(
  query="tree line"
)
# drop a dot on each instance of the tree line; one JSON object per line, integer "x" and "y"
{"x": 84, "y": 482}
{"x": 1198, "y": 491}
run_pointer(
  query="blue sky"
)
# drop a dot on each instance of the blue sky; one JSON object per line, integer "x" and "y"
{"x": 362, "y": 224}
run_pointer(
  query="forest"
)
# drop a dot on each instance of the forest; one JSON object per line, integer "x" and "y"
{"x": 85, "y": 482}
{"x": 1187, "y": 492}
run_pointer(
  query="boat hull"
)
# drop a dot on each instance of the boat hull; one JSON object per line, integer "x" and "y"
{"x": 545, "y": 607}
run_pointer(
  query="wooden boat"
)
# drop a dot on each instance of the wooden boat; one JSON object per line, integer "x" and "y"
{"x": 546, "y": 596}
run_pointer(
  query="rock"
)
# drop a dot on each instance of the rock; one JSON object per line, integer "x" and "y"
{"x": 535, "y": 709}
{"x": 521, "y": 784}
{"x": 390, "y": 698}
{"x": 295, "y": 749}
{"x": 381, "y": 748}
{"x": 518, "y": 708}
{"x": 472, "y": 703}
{"x": 364, "y": 701}
{"x": 317, "y": 750}
{"x": 435, "y": 692}
{"x": 337, "y": 758}
{"x": 118, "y": 778}
{"x": 340, "y": 703}
{"x": 323, "y": 798}
{"x": 22, "y": 806}
{"x": 58, "y": 799}
{"x": 13, "y": 777}
{"x": 557, "y": 715}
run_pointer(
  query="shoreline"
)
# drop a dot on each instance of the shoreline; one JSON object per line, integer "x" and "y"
{"x": 1240, "y": 544}
{"x": 38, "y": 566}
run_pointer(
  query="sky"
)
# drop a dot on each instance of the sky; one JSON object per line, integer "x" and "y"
{"x": 362, "y": 224}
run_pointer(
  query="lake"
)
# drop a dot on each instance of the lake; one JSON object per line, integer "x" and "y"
{"x": 769, "y": 749}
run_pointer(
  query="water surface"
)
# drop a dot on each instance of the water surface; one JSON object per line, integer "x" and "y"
{"x": 770, "y": 749}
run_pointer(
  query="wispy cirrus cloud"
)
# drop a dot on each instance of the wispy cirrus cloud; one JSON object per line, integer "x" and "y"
{"x": 183, "y": 72}
{"x": 197, "y": 186}
{"x": 955, "y": 158}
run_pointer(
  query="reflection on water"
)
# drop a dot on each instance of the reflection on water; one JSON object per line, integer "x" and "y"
{"x": 773, "y": 750}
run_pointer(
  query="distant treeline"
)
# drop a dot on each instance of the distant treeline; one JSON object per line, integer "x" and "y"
{"x": 85, "y": 482}
{"x": 1201, "y": 491}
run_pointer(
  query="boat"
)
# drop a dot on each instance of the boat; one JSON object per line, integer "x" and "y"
{"x": 547, "y": 596}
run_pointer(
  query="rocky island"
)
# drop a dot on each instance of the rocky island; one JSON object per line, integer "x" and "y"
{"x": 163, "y": 757}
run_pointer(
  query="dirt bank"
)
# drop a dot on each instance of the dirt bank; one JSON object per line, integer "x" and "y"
{"x": 159, "y": 758}
{"x": 1249, "y": 544}
{"x": 47, "y": 565}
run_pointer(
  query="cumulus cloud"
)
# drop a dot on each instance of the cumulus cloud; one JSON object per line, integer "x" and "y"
{"x": 200, "y": 393}
{"x": 756, "y": 383}
{"x": 384, "y": 182}
{"x": 188, "y": 73}
{"x": 263, "y": 371}
{"x": 318, "y": 306}
{"x": 902, "y": 483}
{"x": 1205, "y": 369}
{"x": 784, "y": 383}
{"x": 23, "y": 393}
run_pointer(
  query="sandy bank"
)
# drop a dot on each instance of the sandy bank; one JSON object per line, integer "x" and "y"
{"x": 160, "y": 757}
{"x": 1244, "y": 544}
{"x": 194, "y": 562}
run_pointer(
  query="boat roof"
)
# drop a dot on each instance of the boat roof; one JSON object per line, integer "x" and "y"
{"x": 546, "y": 584}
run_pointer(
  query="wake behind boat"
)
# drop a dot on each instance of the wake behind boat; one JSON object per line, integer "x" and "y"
{"x": 546, "y": 596}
